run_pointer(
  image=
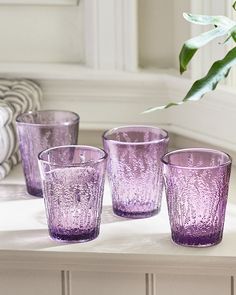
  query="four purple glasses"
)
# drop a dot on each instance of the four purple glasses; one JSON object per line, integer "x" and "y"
{"x": 196, "y": 179}
{"x": 41, "y": 130}
{"x": 135, "y": 169}
{"x": 73, "y": 184}
{"x": 197, "y": 182}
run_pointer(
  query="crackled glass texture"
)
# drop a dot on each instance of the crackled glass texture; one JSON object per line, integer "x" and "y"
{"x": 73, "y": 185}
{"x": 135, "y": 170}
{"x": 197, "y": 182}
{"x": 41, "y": 130}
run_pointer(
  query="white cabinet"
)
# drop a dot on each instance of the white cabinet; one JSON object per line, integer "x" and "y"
{"x": 88, "y": 283}
{"x": 192, "y": 284}
{"x": 129, "y": 257}
{"x": 27, "y": 282}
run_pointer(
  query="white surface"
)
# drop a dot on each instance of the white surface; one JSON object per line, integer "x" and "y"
{"x": 123, "y": 244}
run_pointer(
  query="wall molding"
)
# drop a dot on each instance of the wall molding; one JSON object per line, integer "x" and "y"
{"x": 210, "y": 120}
{"x": 106, "y": 103}
{"x": 115, "y": 21}
{"x": 108, "y": 100}
{"x": 40, "y": 2}
{"x": 105, "y": 99}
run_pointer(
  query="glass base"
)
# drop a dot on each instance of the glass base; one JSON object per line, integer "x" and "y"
{"x": 136, "y": 215}
{"x": 36, "y": 192}
{"x": 74, "y": 237}
{"x": 198, "y": 242}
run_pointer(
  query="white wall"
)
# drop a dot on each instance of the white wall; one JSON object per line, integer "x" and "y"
{"x": 162, "y": 31}
{"x": 181, "y": 29}
{"x": 109, "y": 93}
{"x": 41, "y": 34}
{"x": 155, "y": 36}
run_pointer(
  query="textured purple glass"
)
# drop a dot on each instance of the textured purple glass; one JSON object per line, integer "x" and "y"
{"x": 197, "y": 182}
{"x": 73, "y": 185}
{"x": 135, "y": 170}
{"x": 41, "y": 130}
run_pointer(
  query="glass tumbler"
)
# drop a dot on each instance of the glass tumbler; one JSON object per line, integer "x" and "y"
{"x": 197, "y": 182}
{"x": 41, "y": 130}
{"x": 135, "y": 169}
{"x": 73, "y": 185}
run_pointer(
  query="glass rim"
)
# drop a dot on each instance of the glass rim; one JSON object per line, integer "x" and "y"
{"x": 73, "y": 121}
{"x": 99, "y": 160}
{"x": 227, "y": 162}
{"x": 105, "y": 133}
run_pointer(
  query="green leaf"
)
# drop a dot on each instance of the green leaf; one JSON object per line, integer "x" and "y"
{"x": 218, "y": 71}
{"x": 191, "y": 46}
{"x": 224, "y": 26}
{"x": 153, "y": 109}
{"x": 219, "y": 20}
{"x": 234, "y": 5}
{"x": 233, "y": 33}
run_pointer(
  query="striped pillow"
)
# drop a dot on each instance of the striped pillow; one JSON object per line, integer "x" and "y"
{"x": 16, "y": 97}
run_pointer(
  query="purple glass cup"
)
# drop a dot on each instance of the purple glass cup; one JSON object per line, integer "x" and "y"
{"x": 41, "y": 130}
{"x": 73, "y": 184}
{"x": 135, "y": 169}
{"x": 197, "y": 182}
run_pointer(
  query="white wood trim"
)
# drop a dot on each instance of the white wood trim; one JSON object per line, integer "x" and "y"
{"x": 40, "y": 2}
{"x": 118, "y": 262}
{"x": 150, "y": 284}
{"x": 193, "y": 284}
{"x": 115, "y": 21}
{"x": 65, "y": 281}
{"x": 126, "y": 35}
{"x": 67, "y": 72}
{"x": 211, "y": 120}
{"x": 107, "y": 283}
{"x": 91, "y": 33}
{"x": 106, "y": 99}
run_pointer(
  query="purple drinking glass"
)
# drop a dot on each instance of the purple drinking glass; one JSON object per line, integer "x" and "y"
{"x": 73, "y": 185}
{"x": 41, "y": 130}
{"x": 197, "y": 182}
{"x": 135, "y": 170}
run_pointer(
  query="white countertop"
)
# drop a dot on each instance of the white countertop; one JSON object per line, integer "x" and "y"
{"x": 141, "y": 245}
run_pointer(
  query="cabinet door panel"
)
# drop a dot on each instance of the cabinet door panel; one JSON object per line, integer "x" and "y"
{"x": 22, "y": 282}
{"x": 88, "y": 283}
{"x": 191, "y": 284}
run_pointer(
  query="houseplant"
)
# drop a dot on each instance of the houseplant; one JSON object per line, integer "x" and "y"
{"x": 222, "y": 26}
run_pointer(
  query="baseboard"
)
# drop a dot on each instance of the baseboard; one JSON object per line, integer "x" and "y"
{"x": 108, "y": 99}
{"x": 106, "y": 102}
